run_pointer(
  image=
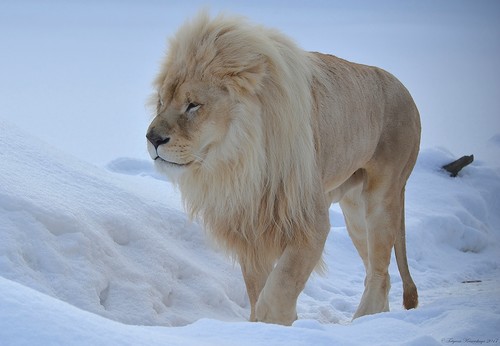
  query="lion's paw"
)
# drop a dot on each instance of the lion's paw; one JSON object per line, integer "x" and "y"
{"x": 273, "y": 313}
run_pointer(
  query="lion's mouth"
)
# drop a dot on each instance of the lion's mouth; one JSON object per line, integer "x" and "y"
{"x": 170, "y": 163}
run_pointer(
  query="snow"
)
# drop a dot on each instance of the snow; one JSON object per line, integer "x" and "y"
{"x": 93, "y": 255}
{"x": 95, "y": 246}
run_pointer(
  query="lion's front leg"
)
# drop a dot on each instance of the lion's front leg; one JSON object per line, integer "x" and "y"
{"x": 278, "y": 299}
{"x": 255, "y": 278}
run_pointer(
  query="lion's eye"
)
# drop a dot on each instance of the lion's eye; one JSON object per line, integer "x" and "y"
{"x": 192, "y": 107}
{"x": 160, "y": 101}
{"x": 159, "y": 106}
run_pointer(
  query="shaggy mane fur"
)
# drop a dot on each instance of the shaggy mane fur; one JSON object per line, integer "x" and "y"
{"x": 258, "y": 193}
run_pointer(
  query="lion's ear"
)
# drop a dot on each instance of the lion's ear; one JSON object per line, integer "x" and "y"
{"x": 248, "y": 78}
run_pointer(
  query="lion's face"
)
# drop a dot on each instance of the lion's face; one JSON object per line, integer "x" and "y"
{"x": 191, "y": 124}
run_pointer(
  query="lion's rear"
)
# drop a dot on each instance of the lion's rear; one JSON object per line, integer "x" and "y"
{"x": 368, "y": 126}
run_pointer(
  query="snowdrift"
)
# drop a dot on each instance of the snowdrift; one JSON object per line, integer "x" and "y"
{"x": 96, "y": 240}
{"x": 92, "y": 255}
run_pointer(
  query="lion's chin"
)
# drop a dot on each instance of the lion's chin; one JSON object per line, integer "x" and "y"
{"x": 171, "y": 169}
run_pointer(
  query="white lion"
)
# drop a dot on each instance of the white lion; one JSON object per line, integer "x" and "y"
{"x": 262, "y": 137}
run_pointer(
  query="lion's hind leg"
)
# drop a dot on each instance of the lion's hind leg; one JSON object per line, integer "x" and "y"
{"x": 354, "y": 214}
{"x": 375, "y": 257}
{"x": 382, "y": 200}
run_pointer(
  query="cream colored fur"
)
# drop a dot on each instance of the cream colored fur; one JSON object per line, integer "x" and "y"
{"x": 262, "y": 137}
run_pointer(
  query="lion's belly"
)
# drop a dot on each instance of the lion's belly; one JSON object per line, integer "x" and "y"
{"x": 342, "y": 155}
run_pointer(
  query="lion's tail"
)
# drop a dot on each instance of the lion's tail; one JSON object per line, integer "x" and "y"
{"x": 410, "y": 294}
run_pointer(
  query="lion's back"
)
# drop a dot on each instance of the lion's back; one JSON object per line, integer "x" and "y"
{"x": 360, "y": 109}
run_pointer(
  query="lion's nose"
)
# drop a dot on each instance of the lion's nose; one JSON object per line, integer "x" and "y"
{"x": 156, "y": 139}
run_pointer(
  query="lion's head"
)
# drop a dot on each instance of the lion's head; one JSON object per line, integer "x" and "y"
{"x": 191, "y": 127}
{"x": 207, "y": 111}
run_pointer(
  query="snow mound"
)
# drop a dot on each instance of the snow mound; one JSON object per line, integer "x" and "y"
{"x": 93, "y": 256}
{"x": 71, "y": 231}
